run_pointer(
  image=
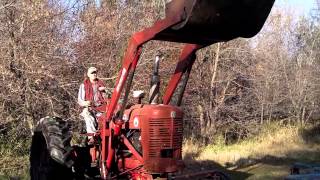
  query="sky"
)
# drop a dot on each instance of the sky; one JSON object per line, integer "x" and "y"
{"x": 299, "y": 7}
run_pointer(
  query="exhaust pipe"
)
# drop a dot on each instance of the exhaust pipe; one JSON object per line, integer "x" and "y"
{"x": 155, "y": 82}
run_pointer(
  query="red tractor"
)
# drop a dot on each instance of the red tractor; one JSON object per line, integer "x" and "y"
{"x": 144, "y": 141}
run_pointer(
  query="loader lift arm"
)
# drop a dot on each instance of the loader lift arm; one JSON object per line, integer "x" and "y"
{"x": 198, "y": 23}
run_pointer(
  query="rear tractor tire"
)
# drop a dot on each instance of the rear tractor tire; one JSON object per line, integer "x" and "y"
{"x": 50, "y": 150}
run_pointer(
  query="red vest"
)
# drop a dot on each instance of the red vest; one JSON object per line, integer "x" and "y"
{"x": 89, "y": 91}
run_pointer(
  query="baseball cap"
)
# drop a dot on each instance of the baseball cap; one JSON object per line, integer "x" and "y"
{"x": 91, "y": 70}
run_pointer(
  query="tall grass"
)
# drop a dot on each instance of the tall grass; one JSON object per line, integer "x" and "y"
{"x": 275, "y": 141}
{"x": 14, "y": 158}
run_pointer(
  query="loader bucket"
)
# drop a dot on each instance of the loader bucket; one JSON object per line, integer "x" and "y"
{"x": 208, "y": 21}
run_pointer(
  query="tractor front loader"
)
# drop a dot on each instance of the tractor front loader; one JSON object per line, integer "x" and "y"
{"x": 144, "y": 141}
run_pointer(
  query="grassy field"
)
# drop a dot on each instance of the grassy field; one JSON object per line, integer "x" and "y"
{"x": 14, "y": 167}
{"x": 266, "y": 156}
{"x": 14, "y": 159}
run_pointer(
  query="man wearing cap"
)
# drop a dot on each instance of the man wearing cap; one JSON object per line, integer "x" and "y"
{"x": 91, "y": 96}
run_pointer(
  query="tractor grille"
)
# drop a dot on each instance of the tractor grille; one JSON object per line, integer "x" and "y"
{"x": 164, "y": 134}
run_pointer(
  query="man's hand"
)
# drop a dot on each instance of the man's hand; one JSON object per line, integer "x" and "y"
{"x": 102, "y": 88}
{"x": 86, "y": 103}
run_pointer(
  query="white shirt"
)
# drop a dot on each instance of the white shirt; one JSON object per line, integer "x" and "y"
{"x": 82, "y": 94}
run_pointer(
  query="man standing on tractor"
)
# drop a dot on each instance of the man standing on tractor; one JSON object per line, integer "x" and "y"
{"x": 90, "y": 97}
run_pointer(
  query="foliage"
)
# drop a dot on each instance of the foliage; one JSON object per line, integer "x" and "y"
{"x": 234, "y": 88}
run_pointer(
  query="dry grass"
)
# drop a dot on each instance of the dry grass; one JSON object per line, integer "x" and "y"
{"x": 14, "y": 160}
{"x": 14, "y": 165}
{"x": 276, "y": 145}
